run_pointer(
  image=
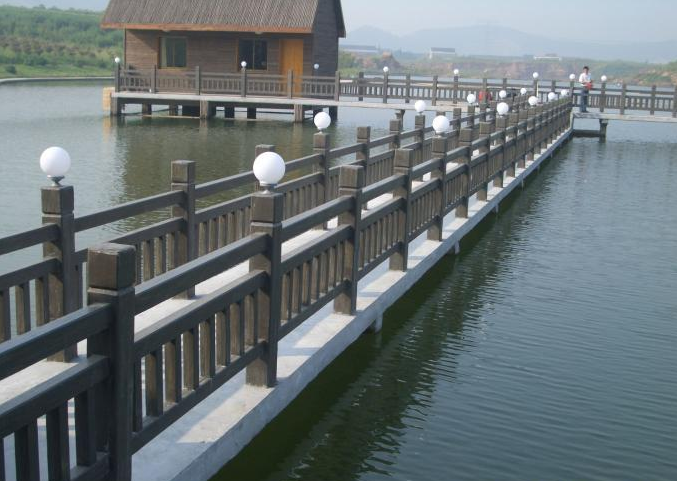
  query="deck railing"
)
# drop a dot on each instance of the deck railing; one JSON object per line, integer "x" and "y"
{"x": 132, "y": 386}
{"x": 390, "y": 88}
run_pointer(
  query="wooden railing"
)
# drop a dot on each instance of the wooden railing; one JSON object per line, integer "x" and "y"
{"x": 132, "y": 386}
{"x": 391, "y": 88}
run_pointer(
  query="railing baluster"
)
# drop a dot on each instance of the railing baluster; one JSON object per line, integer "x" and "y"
{"x": 439, "y": 151}
{"x": 26, "y": 453}
{"x": 183, "y": 179}
{"x": 5, "y": 316}
{"x": 652, "y": 106}
{"x": 22, "y": 295}
{"x": 85, "y": 434}
{"x": 58, "y": 458}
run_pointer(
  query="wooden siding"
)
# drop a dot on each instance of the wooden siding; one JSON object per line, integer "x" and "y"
{"x": 211, "y": 51}
{"x": 325, "y": 42}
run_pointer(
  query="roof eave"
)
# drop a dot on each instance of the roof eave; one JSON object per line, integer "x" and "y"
{"x": 203, "y": 28}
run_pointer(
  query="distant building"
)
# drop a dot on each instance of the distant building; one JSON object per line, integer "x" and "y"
{"x": 361, "y": 49}
{"x": 437, "y": 52}
{"x": 548, "y": 56}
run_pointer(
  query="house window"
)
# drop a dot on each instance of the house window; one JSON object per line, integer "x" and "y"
{"x": 255, "y": 53}
{"x": 173, "y": 52}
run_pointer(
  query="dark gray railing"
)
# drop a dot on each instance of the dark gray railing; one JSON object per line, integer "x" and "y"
{"x": 132, "y": 386}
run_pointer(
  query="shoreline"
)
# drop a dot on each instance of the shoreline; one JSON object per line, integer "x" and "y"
{"x": 19, "y": 80}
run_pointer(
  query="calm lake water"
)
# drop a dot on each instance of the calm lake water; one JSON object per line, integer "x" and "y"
{"x": 547, "y": 350}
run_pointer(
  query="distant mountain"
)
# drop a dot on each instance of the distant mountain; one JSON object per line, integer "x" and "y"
{"x": 504, "y": 41}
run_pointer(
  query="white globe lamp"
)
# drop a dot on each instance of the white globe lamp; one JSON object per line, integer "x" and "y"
{"x": 55, "y": 163}
{"x": 269, "y": 169}
{"x": 441, "y": 124}
{"x": 572, "y": 77}
{"x": 243, "y": 64}
{"x": 472, "y": 98}
{"x": 533, "y": 101}
{"x": 535, "y": 75}
{"x": 503, "y": 94}
{"x": 564, "y": 93}
{"x": 604, "y": 78}
{"x": 523, "y": 91}
{"x": 117, "y": 60}
{"x": 420, "y": 106}
{"x": 456, "y": 72}
{"x": 322, "y": 121}
{"x": 316, "y": 66}
{"x": 502, "y": 108}
{"x": 386, "y": 69}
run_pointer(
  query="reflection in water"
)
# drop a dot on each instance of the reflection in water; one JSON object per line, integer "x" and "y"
{"x": 533, "y": 355}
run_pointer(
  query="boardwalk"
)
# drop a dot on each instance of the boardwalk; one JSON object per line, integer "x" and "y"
{"x": 200, "y": 329}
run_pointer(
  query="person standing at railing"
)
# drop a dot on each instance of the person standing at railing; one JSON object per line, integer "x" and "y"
{"x": 586, "y": 86}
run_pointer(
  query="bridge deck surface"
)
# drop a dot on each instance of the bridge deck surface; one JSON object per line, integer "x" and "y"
{"x": 199, "y": 443}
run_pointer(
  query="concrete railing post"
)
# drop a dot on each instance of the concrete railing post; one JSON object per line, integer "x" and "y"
{"x": 524, "y": 143}
{"x": 154, "y": 80}
{"x": 267, "y": 214}
{"x": 674, "y": 103}
{"x": 351, "y": 182}
{"x": 360, "y": 86}
{"x": 456, "y": 92}
{"x": 395, "y": 128}
{"x": 385, "y": 87}
{"x": 510, "y": 162}
{"x": 364, "y": 138}
{"x": 198, "y": 80}
{"x": 111, "y": 270}
{"x": 456, "y": 116}
{"x": 653, "y": 100}
{"x": 322, "y": 146}
{"x": 419, "y": 124}
{"x": 485, "y": 148}
{"x": 531, "y": 134}
{"x": 290, "y": 83}
{"x": 624, "y": 97}
{"x": 439, "y": 152}
{"x": 186, "y": 246}
{"x": 471, "y": 117}
{"x": 63, "y": 288}
{"x": 337, "y": 87}
{"x": 465, "y": 139}
{"x": 407, "y": 92}
{"x": 434, "y": 90}
{"x": 501, "y": 126}
{"x": 602, "y": 98}
{"x": 404, "y": 162}
{"x": 118, "y": 75}
{"x": 243, "y": 82}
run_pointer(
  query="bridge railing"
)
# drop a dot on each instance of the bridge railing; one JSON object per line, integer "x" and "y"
{"x": 390, "y": 88}
{"x": 133, "y": 385}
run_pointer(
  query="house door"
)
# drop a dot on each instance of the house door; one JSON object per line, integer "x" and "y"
{"x": 292, "y": 59}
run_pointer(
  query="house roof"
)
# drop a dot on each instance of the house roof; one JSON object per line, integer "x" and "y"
{"x": 280, "y": 16}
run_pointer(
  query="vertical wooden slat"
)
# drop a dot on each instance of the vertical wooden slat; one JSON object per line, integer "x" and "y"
{"x": 173, "y": 384}
{"x": 137, "y": 415}
{"x": 58, "y": 457}
{"x": 42, "y": 300}
{"x": 191, "y": 366}
{"x": 23, "y": 308}
{"x": 27, "y": 457}
{"x": 233, "y": 321}
{"x": 5, "y": 318}
{"x": 220, "y": 339}
{"x": 154, "y": 387}
{"x": 85, "y": 436}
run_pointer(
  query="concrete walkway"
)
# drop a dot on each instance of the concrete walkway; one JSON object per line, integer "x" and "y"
{"x": 202, "y": 441}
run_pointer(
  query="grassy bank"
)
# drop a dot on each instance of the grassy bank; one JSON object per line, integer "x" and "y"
{"x": 41, "y": 42}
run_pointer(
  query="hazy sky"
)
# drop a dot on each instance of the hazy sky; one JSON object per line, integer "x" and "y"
{"x": 598, "y": 20}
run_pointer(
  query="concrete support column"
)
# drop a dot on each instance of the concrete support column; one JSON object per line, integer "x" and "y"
{"x": 251, "y": 113}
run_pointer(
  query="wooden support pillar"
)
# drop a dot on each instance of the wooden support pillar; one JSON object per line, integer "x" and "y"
{"x": 185, "y": 241}
{"x": 404, "y": 162}
{"x": 439, "y": 152}
{"x": 333, "y": 113}
{"x": 603, "y": 124}
{"x": 299, "y": 114}
{"x": 251, "y": 113}
{"x": 190, "y": 111}
{"x": 173, "y": 110}
{"x": 229, "y": 112}
{"x": 146, "y": 109}
{"x": 111, "y": 272}
{"x": 267, "y": 214}
{"x": 115, "y": 106}
{"x": 207, "y": 110}
{"x": 485, "y": 132}
{"x": 63, "y": 287}
{"x": 351, "y": 182}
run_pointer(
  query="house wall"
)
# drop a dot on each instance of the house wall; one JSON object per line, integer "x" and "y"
{"x": 325, "y": 42}
{"x": 211, "y": 51}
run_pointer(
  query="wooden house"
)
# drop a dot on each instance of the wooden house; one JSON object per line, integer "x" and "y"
{"x": 272, "y": 36}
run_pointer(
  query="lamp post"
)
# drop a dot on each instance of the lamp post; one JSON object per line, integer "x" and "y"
{"x": 502, "y": 109}
{"x": 502, "y": 94}
{"x": 316, "y": 68}
{"x": 419, "y": 120}
{"x": 536, "y": 75}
